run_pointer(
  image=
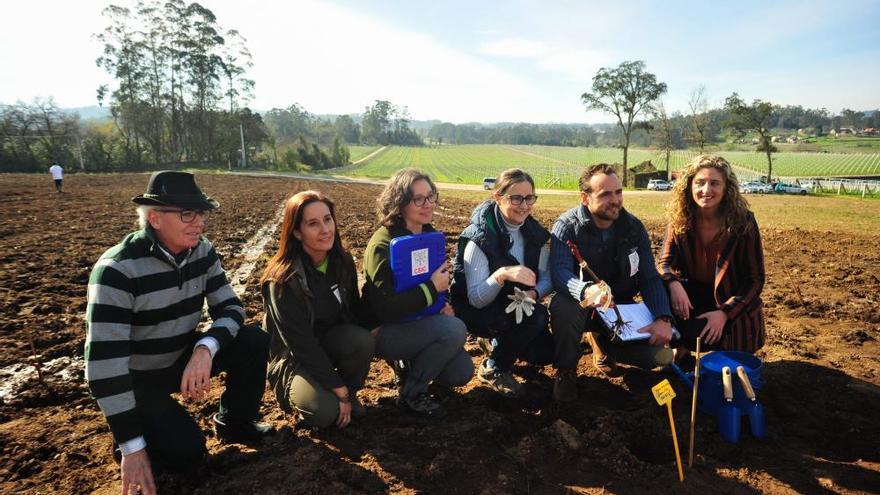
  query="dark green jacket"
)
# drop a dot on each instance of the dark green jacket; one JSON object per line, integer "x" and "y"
{"x": 295, "y": 343}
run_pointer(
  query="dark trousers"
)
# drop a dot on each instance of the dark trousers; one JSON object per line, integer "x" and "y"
{"x": 529, "y": 340}
{"x": 58, "y": 185}
{"x": 702, "y": 299}
{"x": 174, "y": 440}
{"x": 568, "y": 321}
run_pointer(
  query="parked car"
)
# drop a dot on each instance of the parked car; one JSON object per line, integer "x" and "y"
{"x": 755, "y": 188}
{"x": 488, "y": 183}
{"x": 659, "y": 185}
{"x": 782, "y": 187}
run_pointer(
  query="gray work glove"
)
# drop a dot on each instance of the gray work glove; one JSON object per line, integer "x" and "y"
{"x": 522, "y": 303}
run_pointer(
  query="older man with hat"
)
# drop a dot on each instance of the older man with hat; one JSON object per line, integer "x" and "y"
{"x": 145, "y": 300}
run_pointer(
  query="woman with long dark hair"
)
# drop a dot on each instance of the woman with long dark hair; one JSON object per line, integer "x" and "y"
{"x": 431, "y": 348}
{"x": 712, "y": 259}
{"x": 319, "y": 355}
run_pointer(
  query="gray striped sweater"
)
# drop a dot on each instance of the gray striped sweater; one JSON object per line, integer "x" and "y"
{"x": 143, "y": 308}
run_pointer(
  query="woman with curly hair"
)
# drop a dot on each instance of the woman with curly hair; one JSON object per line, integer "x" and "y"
{"x": 712, "y": 259}
{"x": 430, "y": 348}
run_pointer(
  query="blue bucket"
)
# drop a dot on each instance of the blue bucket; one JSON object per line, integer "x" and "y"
{"x": 710, "y": 397}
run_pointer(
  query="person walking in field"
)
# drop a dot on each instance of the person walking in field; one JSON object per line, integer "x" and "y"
{"x": 502, "y": 256}
{"x": 615, "y": 244}
{"x": 431, "y": 347}
{"x": 713, "y": 261}
{"x": 57, "y": 175}
{"x": 320, "y": 356}
{"x": 145, "y": 299}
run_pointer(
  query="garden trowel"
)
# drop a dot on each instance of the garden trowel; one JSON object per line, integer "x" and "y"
{"x": 756, "y": 410}
{"x": 728, "y": 418}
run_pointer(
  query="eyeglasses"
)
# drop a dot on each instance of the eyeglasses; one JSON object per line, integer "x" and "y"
{"x": 431, "y": 198}
{"x": 188, "y": 216}
{"x": 517, "y": 199}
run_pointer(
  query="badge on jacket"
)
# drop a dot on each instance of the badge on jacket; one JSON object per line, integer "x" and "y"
{"x": 633, "y": 263}
{"x": 335, "y": 289}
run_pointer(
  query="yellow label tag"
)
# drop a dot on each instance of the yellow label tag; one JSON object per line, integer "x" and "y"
{"x": 663, "y": 392}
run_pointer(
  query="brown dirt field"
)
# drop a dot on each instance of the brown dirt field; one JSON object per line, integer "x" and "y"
{"x": 822, "y": 373}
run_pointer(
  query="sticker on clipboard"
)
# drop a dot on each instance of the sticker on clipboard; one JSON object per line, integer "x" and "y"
{"x": 420, "y": 262}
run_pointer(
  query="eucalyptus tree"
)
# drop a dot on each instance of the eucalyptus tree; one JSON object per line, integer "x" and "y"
{"x": 176, "y": 69}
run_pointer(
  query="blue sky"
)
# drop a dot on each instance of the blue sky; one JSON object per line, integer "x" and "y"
{"x": 488, "y": 61}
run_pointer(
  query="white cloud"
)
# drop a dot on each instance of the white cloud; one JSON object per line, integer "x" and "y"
{"x": 335, "y": 60}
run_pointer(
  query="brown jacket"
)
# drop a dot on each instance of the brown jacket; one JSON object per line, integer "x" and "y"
{"x": 739, "y": 279}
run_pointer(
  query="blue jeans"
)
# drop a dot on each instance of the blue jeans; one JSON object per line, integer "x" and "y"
{"x": 435, "y": 348}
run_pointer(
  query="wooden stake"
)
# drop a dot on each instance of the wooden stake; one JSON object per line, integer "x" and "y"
{"x": 663, "y": 394}
{"x": 675, "y": 441}
{"x": 694, "y": 407}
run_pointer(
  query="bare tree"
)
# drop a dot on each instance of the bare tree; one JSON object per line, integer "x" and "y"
{"x": 662, "y": 130}
{"x": 699, "y": 118}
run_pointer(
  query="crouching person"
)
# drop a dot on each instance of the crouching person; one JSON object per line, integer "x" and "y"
{"x": 501, "y": 258}
{"x": 615, "y": 244}
{"x": 319, "y": 356}
{"x": 145, "y": 300}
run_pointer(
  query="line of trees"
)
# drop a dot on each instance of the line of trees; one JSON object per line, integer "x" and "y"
{"x": 180, "y": 89}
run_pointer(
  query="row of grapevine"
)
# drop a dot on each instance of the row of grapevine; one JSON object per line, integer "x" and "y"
{"x": 561, "y": 166}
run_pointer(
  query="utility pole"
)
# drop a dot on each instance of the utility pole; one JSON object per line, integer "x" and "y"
{"x": 243, "y": 156}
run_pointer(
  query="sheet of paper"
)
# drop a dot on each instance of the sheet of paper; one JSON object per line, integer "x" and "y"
{"x": 636, "y": 316}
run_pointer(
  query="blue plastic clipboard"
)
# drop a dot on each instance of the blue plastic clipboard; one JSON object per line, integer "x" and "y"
{"x": 413, "y": 259}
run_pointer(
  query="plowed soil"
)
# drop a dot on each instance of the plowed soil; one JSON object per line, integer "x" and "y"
{"x": 821, "y": 398}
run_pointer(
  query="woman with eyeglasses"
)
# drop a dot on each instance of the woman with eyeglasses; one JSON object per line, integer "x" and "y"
{"x": 432, "y": 347}
{"x": 319, "y": 356}
{"x": 501, "y": 257}
{"x": 712, "y": 260}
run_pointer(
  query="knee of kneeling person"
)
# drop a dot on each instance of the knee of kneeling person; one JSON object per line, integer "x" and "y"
{"x": 363, "y": 344}
{"x": 253, "y": 341}
{"x": 456, "y": 331}
{"x": 187, "y": 456}
{"x": 663, "y": 357}
{"x": 322, "y": 417}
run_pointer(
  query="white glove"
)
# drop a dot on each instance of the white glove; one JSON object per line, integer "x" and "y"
{"x": 594, "y": 294}
{"x": 522, "y": 303}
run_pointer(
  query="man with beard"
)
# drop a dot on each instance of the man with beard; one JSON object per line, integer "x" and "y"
{"x": 616, "y": 247}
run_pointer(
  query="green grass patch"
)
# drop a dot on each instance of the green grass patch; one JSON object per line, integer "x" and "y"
{"x": 838, "y": 214}
{"x": 560, "y": 167}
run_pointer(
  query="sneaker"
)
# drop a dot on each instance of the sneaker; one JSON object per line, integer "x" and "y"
{"x": 565, "y": 385}
{"x": 240, "y": 432}
{"x": 502, "y": 382}
{"x": 422, "y": 405}
{"x": 603, "y": 362}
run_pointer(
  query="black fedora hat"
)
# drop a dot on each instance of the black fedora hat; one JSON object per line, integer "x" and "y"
{"x": 172, "y": 188}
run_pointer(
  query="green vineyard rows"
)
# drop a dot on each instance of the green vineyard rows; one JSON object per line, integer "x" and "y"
{"x": 560, "y": 166}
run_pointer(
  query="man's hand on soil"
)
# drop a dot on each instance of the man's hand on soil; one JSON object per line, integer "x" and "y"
{"x": 137, "y": 475}
{"x": 196, "y": 380}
